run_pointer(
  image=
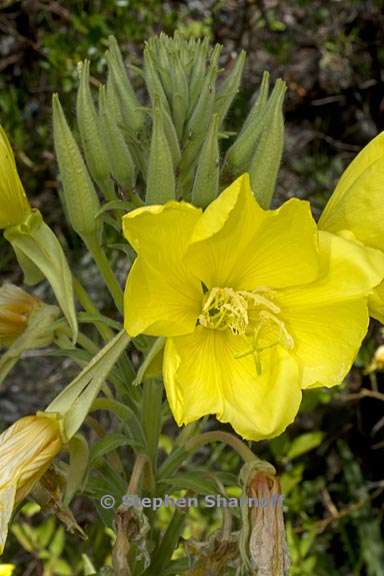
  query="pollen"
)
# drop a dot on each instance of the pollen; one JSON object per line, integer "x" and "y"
{"x": 225, "y": 308}
{"x": 254, "y": 314}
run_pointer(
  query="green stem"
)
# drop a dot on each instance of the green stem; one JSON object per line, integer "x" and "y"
{"x": 137, "y": 472}
{"x": 163, "y": 553}
{"x": 151, "y": 418}
{"x": 216, "y": 436}
{"x": 87, "y": 344}
{"x": 157, "y": 346}
{"x": 105, "y": 332}
{"x": 106, "y": 271}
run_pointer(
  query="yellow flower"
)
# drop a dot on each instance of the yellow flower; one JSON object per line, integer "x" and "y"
{"x": 255, "y": 305}
{"x": 26, "y": 450}
{"x": 377, "y": 362}
{"x": 16, "y": 306}
{"x": 6, "y": 569}
{"x": 14, "y": 206}
{"x": 356, "y": 208}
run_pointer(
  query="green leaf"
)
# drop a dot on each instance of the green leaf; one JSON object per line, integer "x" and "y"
{"x": 304, "y": 443}
{"x": 108, "y": 444}
{"x": 78, "y": 463}
{"x": 196, "y": 481}
{"x": 151, "y": 417}
{"x": 76, "y": 399}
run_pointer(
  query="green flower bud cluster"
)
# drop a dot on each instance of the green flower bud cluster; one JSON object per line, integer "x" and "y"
{"x": 157, "y": 137}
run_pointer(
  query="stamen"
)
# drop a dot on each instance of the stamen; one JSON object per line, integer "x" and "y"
{"x": 249, "y": 314}
{"x": 225, "y": 308}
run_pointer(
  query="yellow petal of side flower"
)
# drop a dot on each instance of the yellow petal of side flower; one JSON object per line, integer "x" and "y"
{"x": 357, "y": 202}
{"x": 264, "y": 282}
{"x": 329, "y": 318}
{"x": 356, "y": 207}
{"x": 26, "y": 450}
{"x": 14, "y": 206}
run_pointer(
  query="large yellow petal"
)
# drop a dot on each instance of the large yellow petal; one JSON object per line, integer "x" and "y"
{"x": 348, "y": 270}
{"x": 328, "y": 319}
{"x": 162, "y": 297}
{"x": 357, "y": 203}
{"x": 327, "y": 339}
{"x": 222, "y": 233}
{"x": 238, "y": 244}
{"x": 283, "y": 252}
{"x": 203, "y": 376}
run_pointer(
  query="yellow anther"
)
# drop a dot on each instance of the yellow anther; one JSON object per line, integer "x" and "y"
{"x": 225, "y": 308}
{"x": 252, "y": 314}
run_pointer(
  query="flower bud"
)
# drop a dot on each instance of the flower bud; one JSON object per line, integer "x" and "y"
{"x": 130, "y": 106}
{"x": 265, "y": 163}
{"x": 81, "y": 201}
{"x": 198, "y": 124}
{"x": 263, "y": 542}
{"x": 198, "y": 71}
{"x": 14, "y": 206}
{"x": 152, "y": 80}
{"x": 180, "y": 94}
{"x": 121, "y": 164}
{"x": 172, "y": 138}
{"x": 94, "y": 145}
{"x": 240, "y": 153}
{"x": 229, "y": 87}
{"x": 16, "y": 306}
{"x": 161, "y": 175}
{"x": 26, "y": 450}
{"x": 202, "y": 112}
{"x": 206, "y": 183}
{"x": 160, "y": 47}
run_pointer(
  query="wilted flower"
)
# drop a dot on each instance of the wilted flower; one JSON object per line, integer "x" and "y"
{"x": 16, "y": 306}
{"x": 214, "y": 556}
{"x": 14, "y": 206}
{"x": 26, "y": 450}
{"x": 255, "y": 304}
{"x": 264, "y": 547}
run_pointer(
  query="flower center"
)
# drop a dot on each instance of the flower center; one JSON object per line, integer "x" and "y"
{"x": 253, "y": 314}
